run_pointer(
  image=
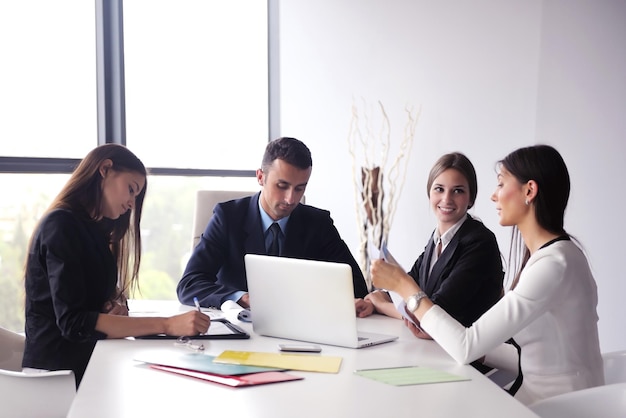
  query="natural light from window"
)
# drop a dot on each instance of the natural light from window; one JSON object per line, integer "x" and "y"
{"x": 196, "y": 82}
{"x": 196, "y": 90}
{"x": 47, "y": 78}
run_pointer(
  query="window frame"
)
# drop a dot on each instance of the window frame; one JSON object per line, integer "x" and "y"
{"x": 111, "y": 98}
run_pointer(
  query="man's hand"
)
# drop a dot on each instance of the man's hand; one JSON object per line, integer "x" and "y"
{"x": 244, "y": 300}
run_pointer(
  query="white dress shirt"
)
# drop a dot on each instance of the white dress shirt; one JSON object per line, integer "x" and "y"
{"x": 551, "y": 314}
{"x": 445, "y": 239}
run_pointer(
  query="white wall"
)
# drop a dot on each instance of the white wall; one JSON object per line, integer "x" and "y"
{"x": 490, "y": 76}
{"x": 581, "y": 109}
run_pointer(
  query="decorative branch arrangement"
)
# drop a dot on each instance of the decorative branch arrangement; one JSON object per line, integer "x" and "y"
{"x": 376, "y": 190}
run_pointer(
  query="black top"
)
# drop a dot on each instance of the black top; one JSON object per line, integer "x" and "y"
{"x": 216, "y": 268}
{"x": 70, "y": 275}
{"x": 466, "y": 279}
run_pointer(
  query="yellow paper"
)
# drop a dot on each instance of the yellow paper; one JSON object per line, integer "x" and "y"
{"x": 305, "y": 362}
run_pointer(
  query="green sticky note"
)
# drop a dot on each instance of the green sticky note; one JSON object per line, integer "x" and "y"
{"x": 410, "y": 375}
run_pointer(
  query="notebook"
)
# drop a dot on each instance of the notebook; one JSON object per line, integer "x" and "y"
{"x": 305, "y": 300}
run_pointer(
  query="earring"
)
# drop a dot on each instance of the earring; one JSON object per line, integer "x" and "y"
{"x": 527, "y": 202}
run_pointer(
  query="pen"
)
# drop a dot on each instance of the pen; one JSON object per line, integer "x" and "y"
{"x": 195, "y": 301}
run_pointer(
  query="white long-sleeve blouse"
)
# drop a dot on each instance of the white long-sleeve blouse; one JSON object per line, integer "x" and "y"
{"x": 551, "y": 314}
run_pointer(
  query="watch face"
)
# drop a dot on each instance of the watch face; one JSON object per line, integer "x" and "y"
{"x": 414, "y": 301}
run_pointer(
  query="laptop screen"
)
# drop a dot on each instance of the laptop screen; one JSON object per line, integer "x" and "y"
{"x": 302, "y": 300}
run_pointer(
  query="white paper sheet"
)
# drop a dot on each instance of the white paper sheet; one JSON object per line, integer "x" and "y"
{"x": 397, "y": 300}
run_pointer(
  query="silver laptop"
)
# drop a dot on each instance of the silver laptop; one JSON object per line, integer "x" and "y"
{"x": 305, "y": 300}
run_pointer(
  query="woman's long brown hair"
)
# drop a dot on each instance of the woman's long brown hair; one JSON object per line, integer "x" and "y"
{"x": 84, "y": 191}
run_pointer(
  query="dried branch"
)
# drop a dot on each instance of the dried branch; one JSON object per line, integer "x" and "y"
{"x": 373, "y": 187}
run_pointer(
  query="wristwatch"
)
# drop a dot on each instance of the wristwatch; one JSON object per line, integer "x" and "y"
{"x": 413, "y": 302}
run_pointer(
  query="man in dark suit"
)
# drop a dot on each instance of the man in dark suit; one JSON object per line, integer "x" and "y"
{"x": 216, "y": 273}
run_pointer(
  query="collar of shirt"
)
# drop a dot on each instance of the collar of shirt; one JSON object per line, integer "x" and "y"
{"x": 267, "y": 221}
{"x": 447, "y": 236}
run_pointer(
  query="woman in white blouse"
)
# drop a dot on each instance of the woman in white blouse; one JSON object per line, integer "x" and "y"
{"x": 550, "y": 309}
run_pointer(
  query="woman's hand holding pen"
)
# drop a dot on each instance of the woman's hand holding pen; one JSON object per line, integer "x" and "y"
{"x": 188, "y": 324}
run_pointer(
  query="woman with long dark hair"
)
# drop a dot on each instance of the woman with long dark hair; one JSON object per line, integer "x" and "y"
{"x": 550, "y": 309}
{"x": 83, "y": 259}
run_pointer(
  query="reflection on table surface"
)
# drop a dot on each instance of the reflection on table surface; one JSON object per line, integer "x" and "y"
{"x": 117, "y": 385}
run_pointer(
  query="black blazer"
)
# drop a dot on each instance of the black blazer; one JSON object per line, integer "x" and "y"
{"x": 70, "y": 274}
{"x": 467, "y": 278}
{"x": 216, "y": 268}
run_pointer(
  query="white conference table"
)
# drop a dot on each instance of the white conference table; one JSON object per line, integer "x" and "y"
{"x": 115, "y": 385}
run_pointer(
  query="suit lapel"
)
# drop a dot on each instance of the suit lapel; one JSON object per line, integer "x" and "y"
{"x": 254, "y": 243}
{"x": 423, "y": 273}
{"x": 294, "y": 237}
{"x": 442, "y": 262}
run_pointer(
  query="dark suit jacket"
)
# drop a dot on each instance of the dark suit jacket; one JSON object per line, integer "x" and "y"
{"x": 70, "y": 274}
{"x": 467, "y": 278}
{"x": 216, "y": 267}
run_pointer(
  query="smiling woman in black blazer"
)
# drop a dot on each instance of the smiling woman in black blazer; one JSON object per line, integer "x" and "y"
{"x": 461, "y": 267}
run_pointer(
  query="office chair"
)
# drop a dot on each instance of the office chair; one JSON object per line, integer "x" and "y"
{"x": 11, "y": 350}
{"x": 608, "y": 401}
{"x": 614, "y": 367}
{"x": 47, "y": 394}
{"x": 205, "y": 202}
{"x": 203, "y": 212}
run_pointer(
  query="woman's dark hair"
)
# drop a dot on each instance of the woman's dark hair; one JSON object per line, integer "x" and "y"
{"x": 544, "y": 165}
{"x": 290, "y": 150}
{"x": 83, "y": 191}
{"x": 460, "y": 163}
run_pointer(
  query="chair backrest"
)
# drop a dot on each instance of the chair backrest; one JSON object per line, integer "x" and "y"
{"x": 11, "y": 350}
{"x": 47, "y": 394}
{"x": 608, "y": 401}
{"x": 205, "y": 202}
{"x": 614, "y": 367}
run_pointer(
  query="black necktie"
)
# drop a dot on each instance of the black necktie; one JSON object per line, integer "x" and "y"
{"x": 275, "y": 229}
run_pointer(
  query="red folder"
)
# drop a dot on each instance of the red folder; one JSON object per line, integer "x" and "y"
{"x": 234, "y": 381}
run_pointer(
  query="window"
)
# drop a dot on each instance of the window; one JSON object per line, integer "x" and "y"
{"x": 194, "y": 107}
{"x": 166, "y": 229}
{"x": 196, "y": 82}
{"x": 47, "y": 78}
{"x": 27, "y": 196}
